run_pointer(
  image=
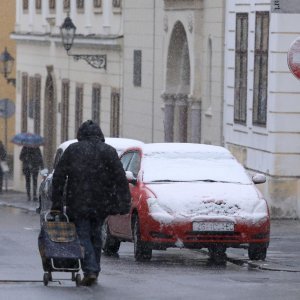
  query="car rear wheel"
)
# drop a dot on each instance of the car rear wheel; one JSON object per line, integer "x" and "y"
{"x": 257, "y": 252}
{"x": 110, "y": 245}
{"x": 142, "y": 252}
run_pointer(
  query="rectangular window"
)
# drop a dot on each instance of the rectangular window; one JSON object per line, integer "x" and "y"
{"x": 137, "y": 68}
{"x": 52, "y": 4}
{"x": 96, "y": 100}
{"x": 80, "y": 4}
{"x": 25, "y": 4}
{"x": 115, "y": 114}
{"x": 65, "y": 110}
{"x": 117, "y": 3}
{"x": 78, "y": 107}
{"x": 260, "y": 88}
{"x": 66, "y": 5}
{"x": 97, "y": 3}
{"x": 24, "y": 102}
{"x": 37, "y": 104}
{"x": 38, "y": 5}
{"x": 241, "y": 68}
{"x": 30, "y": 98}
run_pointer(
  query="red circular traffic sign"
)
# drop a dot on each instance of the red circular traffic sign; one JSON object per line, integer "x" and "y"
{"x": 293, "y": 58}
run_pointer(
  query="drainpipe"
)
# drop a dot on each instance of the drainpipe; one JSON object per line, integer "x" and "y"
{"x": 153, "y": 72}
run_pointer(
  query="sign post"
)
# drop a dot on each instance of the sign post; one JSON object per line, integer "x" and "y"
{"x": 7, "y": 109}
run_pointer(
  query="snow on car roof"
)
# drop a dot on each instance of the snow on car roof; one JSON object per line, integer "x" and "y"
{"x": 119, "y": 144}
{"x": 184, "y": 148}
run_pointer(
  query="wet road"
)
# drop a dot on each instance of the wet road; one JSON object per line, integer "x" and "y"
{"x": 171, "y": 274}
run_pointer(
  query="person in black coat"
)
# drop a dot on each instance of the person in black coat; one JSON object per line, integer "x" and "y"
{"x": 32, "y": 160}
{"x": 96, "y": 186}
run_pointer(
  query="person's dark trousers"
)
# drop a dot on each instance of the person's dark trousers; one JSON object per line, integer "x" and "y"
{"x": 34, "y": 184}
{"x": 1, "y": 180}
{"x": 27, "y": 174}
{"x": 89, "y": 233}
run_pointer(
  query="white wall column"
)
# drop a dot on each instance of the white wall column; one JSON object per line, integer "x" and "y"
{"x": 18, "y": 14}
{"x": 31, "y": 12}
{"x": 169, "y": 100}
{"x": 107, "y": 11}
{"x": 45, "y": 14}
{"x": 88, "y": 9}
{"x": 195, "y": 115}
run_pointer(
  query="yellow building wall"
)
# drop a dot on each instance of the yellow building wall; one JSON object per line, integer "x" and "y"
{"x": 7, "y": 23}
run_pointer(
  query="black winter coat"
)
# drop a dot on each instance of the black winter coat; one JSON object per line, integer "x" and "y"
{"x": 32, "y": 159}
{"x": 96, "y": 181}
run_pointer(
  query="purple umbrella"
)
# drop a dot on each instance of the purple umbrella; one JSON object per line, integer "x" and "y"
{"x": 28, "y": 139}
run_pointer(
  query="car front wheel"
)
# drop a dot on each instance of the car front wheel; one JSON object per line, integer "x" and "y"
{"x": 110, "y": 245}
{"x": 142, "y": 252}
{"x": 257, "y": 252}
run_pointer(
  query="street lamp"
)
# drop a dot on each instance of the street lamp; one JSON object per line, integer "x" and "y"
{"x": 6, "y": 65}
{"x": 67, "y": 31}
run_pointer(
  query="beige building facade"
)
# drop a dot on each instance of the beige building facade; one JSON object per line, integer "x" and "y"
{"x": 7, "y": 90}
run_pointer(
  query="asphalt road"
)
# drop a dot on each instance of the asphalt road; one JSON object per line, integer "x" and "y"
{"x": 171, "y": 274}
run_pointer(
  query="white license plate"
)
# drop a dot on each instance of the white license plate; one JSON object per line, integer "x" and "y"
{"x": 213, "y": 226}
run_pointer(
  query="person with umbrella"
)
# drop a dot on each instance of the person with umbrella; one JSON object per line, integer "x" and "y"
{"x": 32, "y": 160}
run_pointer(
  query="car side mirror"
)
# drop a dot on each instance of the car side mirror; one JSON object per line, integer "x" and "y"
{"x": 44, "y": 173}
{"x": 130, "y": 177}
{"x": 258, "y": 178}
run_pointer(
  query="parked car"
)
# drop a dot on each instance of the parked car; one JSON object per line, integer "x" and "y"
{"x": 189, "y": 196}
{"x": 45, "y": 189}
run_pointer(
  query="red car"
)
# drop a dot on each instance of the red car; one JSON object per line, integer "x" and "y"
{"x": 189, "y": 196}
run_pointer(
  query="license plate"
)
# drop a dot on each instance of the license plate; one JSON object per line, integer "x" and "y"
{"x": 213, "y": 226}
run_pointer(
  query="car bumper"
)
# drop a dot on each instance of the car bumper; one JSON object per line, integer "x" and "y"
{"x": 181, "y": 235}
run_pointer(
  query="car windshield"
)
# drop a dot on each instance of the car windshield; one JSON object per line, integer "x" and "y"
{"x": 193, "y": 166}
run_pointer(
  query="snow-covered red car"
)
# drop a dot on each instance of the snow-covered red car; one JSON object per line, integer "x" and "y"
{"x": 189, "y": 196}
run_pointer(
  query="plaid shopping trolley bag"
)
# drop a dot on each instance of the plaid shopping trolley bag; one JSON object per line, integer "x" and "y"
{"x": 59, "y": 247}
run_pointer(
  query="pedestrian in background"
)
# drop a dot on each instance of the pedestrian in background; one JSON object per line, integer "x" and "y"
{"x": 3, "y": 161}
{"x": 32, "y": 160}
{"x": 96, "y": 187}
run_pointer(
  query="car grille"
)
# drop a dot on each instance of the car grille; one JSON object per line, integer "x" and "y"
{"x": 212, "y": 236}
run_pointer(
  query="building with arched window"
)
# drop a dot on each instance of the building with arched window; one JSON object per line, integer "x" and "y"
{"x": 163, "y": 79}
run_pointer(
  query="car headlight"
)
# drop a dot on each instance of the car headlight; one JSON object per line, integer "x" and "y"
{"x": 157, "y": 212}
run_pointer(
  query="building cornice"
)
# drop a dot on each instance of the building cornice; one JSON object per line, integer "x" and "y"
{"x": 113, "y": 42}
{"x": 183, "y": 4}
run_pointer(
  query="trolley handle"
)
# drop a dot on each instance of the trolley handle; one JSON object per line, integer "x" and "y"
{"x": 55, "y": 213}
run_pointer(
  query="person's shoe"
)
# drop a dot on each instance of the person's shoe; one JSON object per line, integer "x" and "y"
{"x": 35, "y": 198}
{"x": 89, "y": 280}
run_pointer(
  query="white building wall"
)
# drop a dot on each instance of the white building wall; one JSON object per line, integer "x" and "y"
{"x": 273, "y": 150}
{"x": 39, "y": 45}
{"x": 143, "y": 30}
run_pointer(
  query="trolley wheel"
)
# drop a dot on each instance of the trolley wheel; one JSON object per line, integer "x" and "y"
{"x": 50, "y": 276}
{"x": 46, "y": 279}
{"x": 78, "y": 280}
{"x": 73, "y": 276}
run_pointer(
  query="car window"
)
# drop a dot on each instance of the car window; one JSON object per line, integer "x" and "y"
{"x": 134, "y": 164}
{"x": 125, "y": 160}
{"x": 58, "y": 155}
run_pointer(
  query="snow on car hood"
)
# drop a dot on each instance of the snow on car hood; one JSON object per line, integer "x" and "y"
{"x": 196, "y": 201}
